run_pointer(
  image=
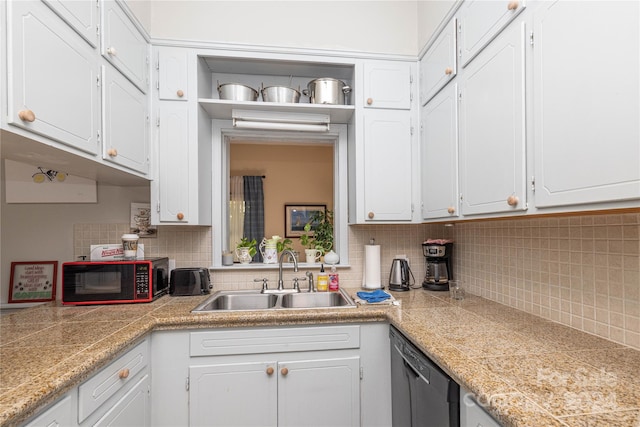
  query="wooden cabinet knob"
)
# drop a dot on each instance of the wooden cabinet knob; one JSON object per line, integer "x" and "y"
{"x": 284, "y": 371}
{"x": 112, "y": 152}
{"x": 180, "y": 93}
{"x": 512, "y": 200}
{"x": 369, "y": 101}
{"x": 270, "y": 370}
{"x": 448, "y": 71}
{"x": 27, "y": 115}
{"x": 513, "y": 5}
{"x": 371, "y": 215}
{"x": 112, "y": 51}
{"x": 124, "y": 373}
{"x": 451, "y": 210}
{"x": 180, "y": 216}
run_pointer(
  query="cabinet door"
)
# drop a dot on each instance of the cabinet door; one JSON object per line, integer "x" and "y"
{"x": 61, "y": 414}
{"x": 240, "y": 394}
{"x": 387, "y": 166}
{"x": 133, "y": 409}
{"x": 53, "y": 78}
{"x": 124, "y": 46}
{"x": 173, "y": 74}
{"x": 438, "y": 65}
{"x": 481, "y": 21}
{"x": 319, "y": 392}
{"x": 81, "y": 15}
{"x": 387, "y": 84}
{"x": 125, "y": 122}
{"x": 173, "y": 162}
{"x": 440, "y": 155}
{"x": 492, "y": 128}
{"x": 586, "y": 118}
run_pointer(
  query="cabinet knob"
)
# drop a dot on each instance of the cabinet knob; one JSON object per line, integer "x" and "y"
{"x": 124, "y": 373}
{"x": 112, "y": 51}
{"x": 513, "y": 5}
{"x": 512, "y": 200}
{"x": 371, "y": 215}
{"x": 27, "y": 115}
{"x": 270, "y": 370}
{"x": 180, "y": 93}
{"x": 180, "y": 216}
{"x": 448, "y": 71}
{"x": 369, "y": 101}
{"x": 112, "y": 152}
{"x": 284, "y": 371}
{"x": 451, "y": 210}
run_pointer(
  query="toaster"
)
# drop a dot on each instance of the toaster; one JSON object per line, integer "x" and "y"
{"x": 189, "y": 281}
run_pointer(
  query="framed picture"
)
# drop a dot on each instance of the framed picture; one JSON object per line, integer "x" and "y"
{"x": 33, "y": 281}
{"x": 297, "y": 216}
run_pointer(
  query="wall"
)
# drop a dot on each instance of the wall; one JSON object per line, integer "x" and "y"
{"x": 430, "y": 15}
{"x": 295, "y": 174}
{"x": 358, "y": 26}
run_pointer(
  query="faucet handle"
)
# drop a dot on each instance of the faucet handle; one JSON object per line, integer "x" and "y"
{"x": 264, "y": 283}
{"x": 296, "y": 285}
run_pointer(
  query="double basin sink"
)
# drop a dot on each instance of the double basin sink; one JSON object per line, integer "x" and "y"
{"x": 257, "y": 300}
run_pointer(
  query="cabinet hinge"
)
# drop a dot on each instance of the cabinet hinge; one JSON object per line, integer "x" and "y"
{"x": 186, "y": 384}
{"x": 461, "y": 197}
{"x": 98, "y": 80}
{"x": 361, "y": 372}
{"x": 158, "y": 210}
{"x": 98, "y": 135}
{"x": 158, "y": 121}
{"x": 533, "y": 183}
{"x": 531, "y": 38}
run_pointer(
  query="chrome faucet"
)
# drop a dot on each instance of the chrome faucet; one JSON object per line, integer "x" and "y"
{"x": 295, "y": 267}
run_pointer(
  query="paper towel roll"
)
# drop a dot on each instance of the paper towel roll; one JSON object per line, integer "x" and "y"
{"x": 371, "y": 276}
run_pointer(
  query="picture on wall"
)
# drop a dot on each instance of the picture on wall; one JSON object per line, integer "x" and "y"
{"x": 297, "y": 216}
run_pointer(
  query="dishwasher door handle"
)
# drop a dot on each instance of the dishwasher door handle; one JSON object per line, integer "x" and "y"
{"x": 413, "y": 370}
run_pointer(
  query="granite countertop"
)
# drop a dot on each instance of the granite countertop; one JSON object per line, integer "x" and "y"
{"x": 527, "y": 371}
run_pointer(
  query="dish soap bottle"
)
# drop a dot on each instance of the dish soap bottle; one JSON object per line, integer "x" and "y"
{"x": 322, "y": 285}
{"x": 334, "y": 280}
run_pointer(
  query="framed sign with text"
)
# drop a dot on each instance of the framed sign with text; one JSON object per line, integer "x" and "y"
{"x": 33, "y": 281}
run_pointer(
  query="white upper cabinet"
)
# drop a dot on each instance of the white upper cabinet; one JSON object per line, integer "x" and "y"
{"x": 586, "y": 102}
{"x": 480, "y": 21}
{"x": 387, "y": 183}
{"x": 124, "y": 46}
{"x": 438, "y": 65}
{"x": 53, "y": 78}
{"x": 492, "y": 127}
{"x": 439, "y": 142}
{"x": 82, "y": 16}
{"x": 172, "y": 69}
{"x": 125, "y": 132}
{"x": 387, "y": 84}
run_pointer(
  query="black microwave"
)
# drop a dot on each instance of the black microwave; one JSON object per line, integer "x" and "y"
{"x": 114, "y": 282}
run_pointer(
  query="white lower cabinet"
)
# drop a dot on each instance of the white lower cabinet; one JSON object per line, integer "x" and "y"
{"x": 472, "y": 414}
{"x": 132, "y": 409}
{"x": 334, "y": 375}
{"x": 276, "y": 393}
{"x": 60, "y": 414}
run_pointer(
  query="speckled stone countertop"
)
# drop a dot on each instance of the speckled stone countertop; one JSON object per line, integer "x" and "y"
{"x": 526, "y": 371}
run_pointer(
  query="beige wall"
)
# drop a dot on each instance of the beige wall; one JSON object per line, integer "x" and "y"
{"x": 295, "y": 174}
{"x": 430, "y": 14}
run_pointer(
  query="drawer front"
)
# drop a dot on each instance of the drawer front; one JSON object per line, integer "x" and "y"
{"x": 253, "y": 341}
{"x": 95, "y": 391}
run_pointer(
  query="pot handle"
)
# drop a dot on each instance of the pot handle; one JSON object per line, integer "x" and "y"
{"x": 346, "y": 89}
{"x": 218, "y": 88}
{"x": 305, "y": 92}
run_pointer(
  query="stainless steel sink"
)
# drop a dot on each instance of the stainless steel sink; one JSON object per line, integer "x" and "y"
{"x": 314, "y": 300}
{"x": 256, "y": 300}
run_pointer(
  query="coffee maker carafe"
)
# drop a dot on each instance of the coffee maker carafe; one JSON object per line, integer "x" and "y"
{"x": 437, "y": 253}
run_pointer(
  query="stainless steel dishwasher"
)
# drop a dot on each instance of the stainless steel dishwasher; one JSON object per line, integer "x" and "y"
{"x": 422, "y": 395}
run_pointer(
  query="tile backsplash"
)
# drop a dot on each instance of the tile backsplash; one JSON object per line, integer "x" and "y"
{"x": 581, "y": 271}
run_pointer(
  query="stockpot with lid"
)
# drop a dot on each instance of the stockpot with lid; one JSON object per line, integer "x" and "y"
{"x": 327, "y": 90}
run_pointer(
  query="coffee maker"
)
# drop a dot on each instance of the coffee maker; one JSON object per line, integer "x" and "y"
{"x": 437, "y": 254}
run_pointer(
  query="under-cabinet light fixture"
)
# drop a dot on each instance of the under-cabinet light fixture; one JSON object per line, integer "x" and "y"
{"x": 272, "y": 120}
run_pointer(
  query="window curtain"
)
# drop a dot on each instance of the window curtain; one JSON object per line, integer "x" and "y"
{"x": 254, "y": 211}
{"x": 236, "y": 212}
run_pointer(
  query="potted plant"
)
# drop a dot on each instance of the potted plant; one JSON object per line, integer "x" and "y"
{"x": 245, "y": 250}
{"x": 322, "y": 238}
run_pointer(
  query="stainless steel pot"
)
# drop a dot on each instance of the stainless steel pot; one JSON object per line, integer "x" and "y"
{"x": 326, "y": 90}
{"x": 237, "y": 92}
{"x": 280, "y": 94}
